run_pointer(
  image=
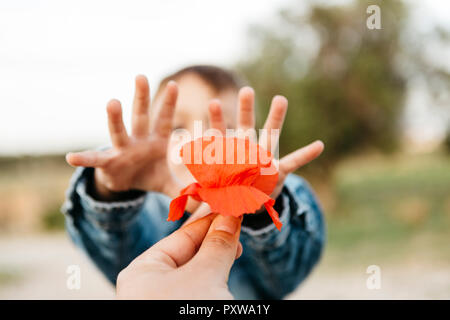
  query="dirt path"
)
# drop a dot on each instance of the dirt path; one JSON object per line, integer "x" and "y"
{"x": 34, "y": 267}
{"x": 40, "y": 264}
{"x": 397, "y": 282}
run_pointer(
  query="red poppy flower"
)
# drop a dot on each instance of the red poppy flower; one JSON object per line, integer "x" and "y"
{"x": 234, "y": 176}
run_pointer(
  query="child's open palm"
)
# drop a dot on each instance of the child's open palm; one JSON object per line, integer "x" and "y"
{"x": 274, "y": 121}
{"x": 136, "y": 161}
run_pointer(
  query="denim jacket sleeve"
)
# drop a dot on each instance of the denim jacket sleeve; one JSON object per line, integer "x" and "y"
{"x": 273, "y": 262}
{"x": 114, "y": 233}
{"x": 277, "y": 261}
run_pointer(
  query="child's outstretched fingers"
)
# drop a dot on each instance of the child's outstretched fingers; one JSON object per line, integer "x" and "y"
{"x": 141, "y": 103}
{"x": 246, "y": 112}
{"x": 216, "y": 120}
{"x": 117, "y": 131}
{"x": 300, "y": 157}
{"x": 94, "y": 159}
{"x": 162, "y": 123}
{"x": 274, "y": 121}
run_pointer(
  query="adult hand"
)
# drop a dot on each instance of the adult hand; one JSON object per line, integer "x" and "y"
{"x": 136, "y": 161}
{"x": 194, "y": 262}
{"x": 274, "y": 121}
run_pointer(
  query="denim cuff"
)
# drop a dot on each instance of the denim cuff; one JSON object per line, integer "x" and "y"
{"x": 269, "y": 237}
{"x": 106, "y": 215}
{"x": 302, "y": 201}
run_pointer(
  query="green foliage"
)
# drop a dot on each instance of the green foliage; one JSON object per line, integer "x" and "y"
{"x": 53, "y": 219}
{"x": 447, "y": 141}
{"x": 389, "y": 206}
{"x": 9, "y": 275}
{"x": 344, "y": 82}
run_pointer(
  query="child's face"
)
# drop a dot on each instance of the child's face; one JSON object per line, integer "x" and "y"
{"x": 194, "y": 96}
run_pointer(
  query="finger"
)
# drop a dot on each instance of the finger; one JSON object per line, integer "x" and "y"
{"x": 246, "y": 113}
{"x": 239, "y": 250}
{"x": 179, "y": 247}
{"x": 202, "y": 211}
{"x": 93, "y": 159}
{"x": 219, "y": 248}
{"x": 300, "y": 157}
{"x": 216, "y": 119}
{"x": 163, "y": 120}
{"x": 117, "y": 131}
{"x": 274, "y": 123}
{"x": 141, "y": 103}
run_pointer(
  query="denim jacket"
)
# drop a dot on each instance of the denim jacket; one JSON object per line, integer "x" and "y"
{"x": 273, "y": 263}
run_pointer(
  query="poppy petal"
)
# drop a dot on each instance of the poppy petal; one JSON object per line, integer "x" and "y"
{"x": 177, "y": 205}
{"x": 235, "y": 177}
{"x": 234, "y": 200}
{"x": 267, "y": 180}
{"x": 233, "y": 161}
{"x": 274, "y": 215}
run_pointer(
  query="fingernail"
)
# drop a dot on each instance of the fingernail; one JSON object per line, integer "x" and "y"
{"x": 226, "y": 223}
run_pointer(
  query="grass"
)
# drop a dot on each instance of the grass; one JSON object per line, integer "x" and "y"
{"x": 53, "y": 219}
{"x": 9, "y": 276}
{"x": 385, "y": 205}
{"x": 32, "y": 190}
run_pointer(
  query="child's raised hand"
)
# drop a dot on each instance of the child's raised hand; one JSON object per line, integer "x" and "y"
{"x": 274, "y": 121}
{"x": 136, "y": 161}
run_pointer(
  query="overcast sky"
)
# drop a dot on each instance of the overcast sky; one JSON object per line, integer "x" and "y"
{"x": 61, "y": 61}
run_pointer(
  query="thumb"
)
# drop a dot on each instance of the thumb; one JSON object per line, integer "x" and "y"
{"x": 179, "y": 247}
{"x": 219, "y": 248}
{"x": 202, "y": 211}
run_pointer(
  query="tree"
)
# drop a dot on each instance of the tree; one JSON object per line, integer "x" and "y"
{"x": 345, "y": 83}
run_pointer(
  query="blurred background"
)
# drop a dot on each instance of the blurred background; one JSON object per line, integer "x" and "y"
{"x": 379, "y": 99}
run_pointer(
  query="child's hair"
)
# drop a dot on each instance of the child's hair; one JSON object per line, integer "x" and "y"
{"x": 218, "y": 78}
